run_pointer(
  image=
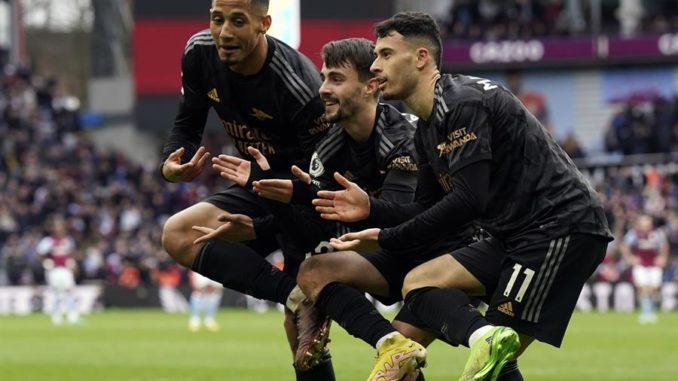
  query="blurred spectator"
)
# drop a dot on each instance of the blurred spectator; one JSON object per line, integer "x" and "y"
{"x": 646, "y": 249}
{"x": 663, "y": 121}
{"x": 463, "y": 16}
{"x": 130, "y": 275}
{"x": 534, "y": 101}
{"x": 610, "y": 270}
{"x": 92, "y": 265}
{"x": 572, "y": 147}
{"x": 57, "y": 250}
{"x": 629, "y": 14}
{"x": 204, "y": 302}
{"x": 524, "y": 19}
{"x": 168, "y": 277}
{"x": 644, "y": 124}
{"x": 15, "y": 262}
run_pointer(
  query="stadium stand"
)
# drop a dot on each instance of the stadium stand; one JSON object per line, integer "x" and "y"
{"x": 115, "y": 207}
{"x": 50, "y": 166}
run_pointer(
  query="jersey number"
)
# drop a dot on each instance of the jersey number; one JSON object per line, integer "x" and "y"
{"x": 529, "y": 274}
{"x": 487, "y": 84}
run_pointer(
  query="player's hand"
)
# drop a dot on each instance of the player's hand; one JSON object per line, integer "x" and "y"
{"x": 660, "y": 262}
{"x": 236, "y": 228}
{"x": 237, "y": 169}
{"x": 363, "y": 241}
{"x": 260, "y": 158}
{"x": 280, "y": 190}
{"x": 349, "y": 205}
{"x": 301, "y": 175}
{"x": 274, "y": 189}
{"x": 176, "y": 172}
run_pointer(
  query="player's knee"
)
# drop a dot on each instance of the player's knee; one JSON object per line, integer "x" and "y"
{"x": 411, "y": 282}
{"x": 305, "y": 274}
{"x": 310, "y": 276}
{"x": 176, "y": 243}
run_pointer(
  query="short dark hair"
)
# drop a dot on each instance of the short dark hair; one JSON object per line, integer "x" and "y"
{"x": 358, "y": 52}
{"x": 414, "y": 25}
{"x": 263, "y": 4}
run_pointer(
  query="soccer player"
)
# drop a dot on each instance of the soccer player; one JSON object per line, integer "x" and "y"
{"x": 647, "y": 250}
{"x": 204, "y": 303}
{"x": 266, "y": 95}
{"x": 57, "y": 249}
{"x": 500, "y": 167}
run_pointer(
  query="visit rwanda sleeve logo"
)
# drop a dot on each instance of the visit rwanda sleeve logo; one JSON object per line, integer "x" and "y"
{"x": 456, "y": 139}
{"x": 403, "y": 163}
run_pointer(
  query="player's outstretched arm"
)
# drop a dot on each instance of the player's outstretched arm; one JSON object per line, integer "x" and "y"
{"x": 348, "y": 205}
{"x": 174, "y": 171}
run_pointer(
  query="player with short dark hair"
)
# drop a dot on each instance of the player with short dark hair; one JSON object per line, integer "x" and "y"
{"x": 266, "y": 95}
{"x": 499, "y": 167}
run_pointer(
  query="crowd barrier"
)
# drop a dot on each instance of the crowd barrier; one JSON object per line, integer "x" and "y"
{"x": 621, "y": 297}
{"x": 23, "y": 300}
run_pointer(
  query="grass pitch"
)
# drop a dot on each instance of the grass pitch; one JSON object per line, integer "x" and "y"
{"x": 149, "y": 345}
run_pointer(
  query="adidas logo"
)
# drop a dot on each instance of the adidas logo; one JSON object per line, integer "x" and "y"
{"x": 213, "y": 95}
{"x": 506, "y": 308}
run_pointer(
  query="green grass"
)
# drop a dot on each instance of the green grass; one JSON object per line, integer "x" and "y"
{"x": 149, "y": 345}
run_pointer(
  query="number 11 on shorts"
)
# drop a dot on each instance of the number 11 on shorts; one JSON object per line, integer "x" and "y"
{"x": 529, "y": 274}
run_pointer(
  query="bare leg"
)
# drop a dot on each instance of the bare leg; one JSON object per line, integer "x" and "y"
{"x": 178, "y": 235}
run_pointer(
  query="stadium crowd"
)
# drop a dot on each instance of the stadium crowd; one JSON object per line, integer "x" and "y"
{"x": 645, "y": 124}
{"x": 51, "y": 168}
{"x": 631, "y": 191}
{"x": 519, "y": 19}
{"x": 115, "y": 208}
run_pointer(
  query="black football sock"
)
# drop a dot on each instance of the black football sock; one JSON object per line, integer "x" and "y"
{"x": 510, "y": 372}
{"x": 351, "y": 310}
{"x": 324, "y": 371}
{"x": 446, "y": 310}
{"x": 240, "y": 268}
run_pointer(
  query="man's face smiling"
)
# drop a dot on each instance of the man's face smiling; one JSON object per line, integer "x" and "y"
{"x": 341, "y": 92}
